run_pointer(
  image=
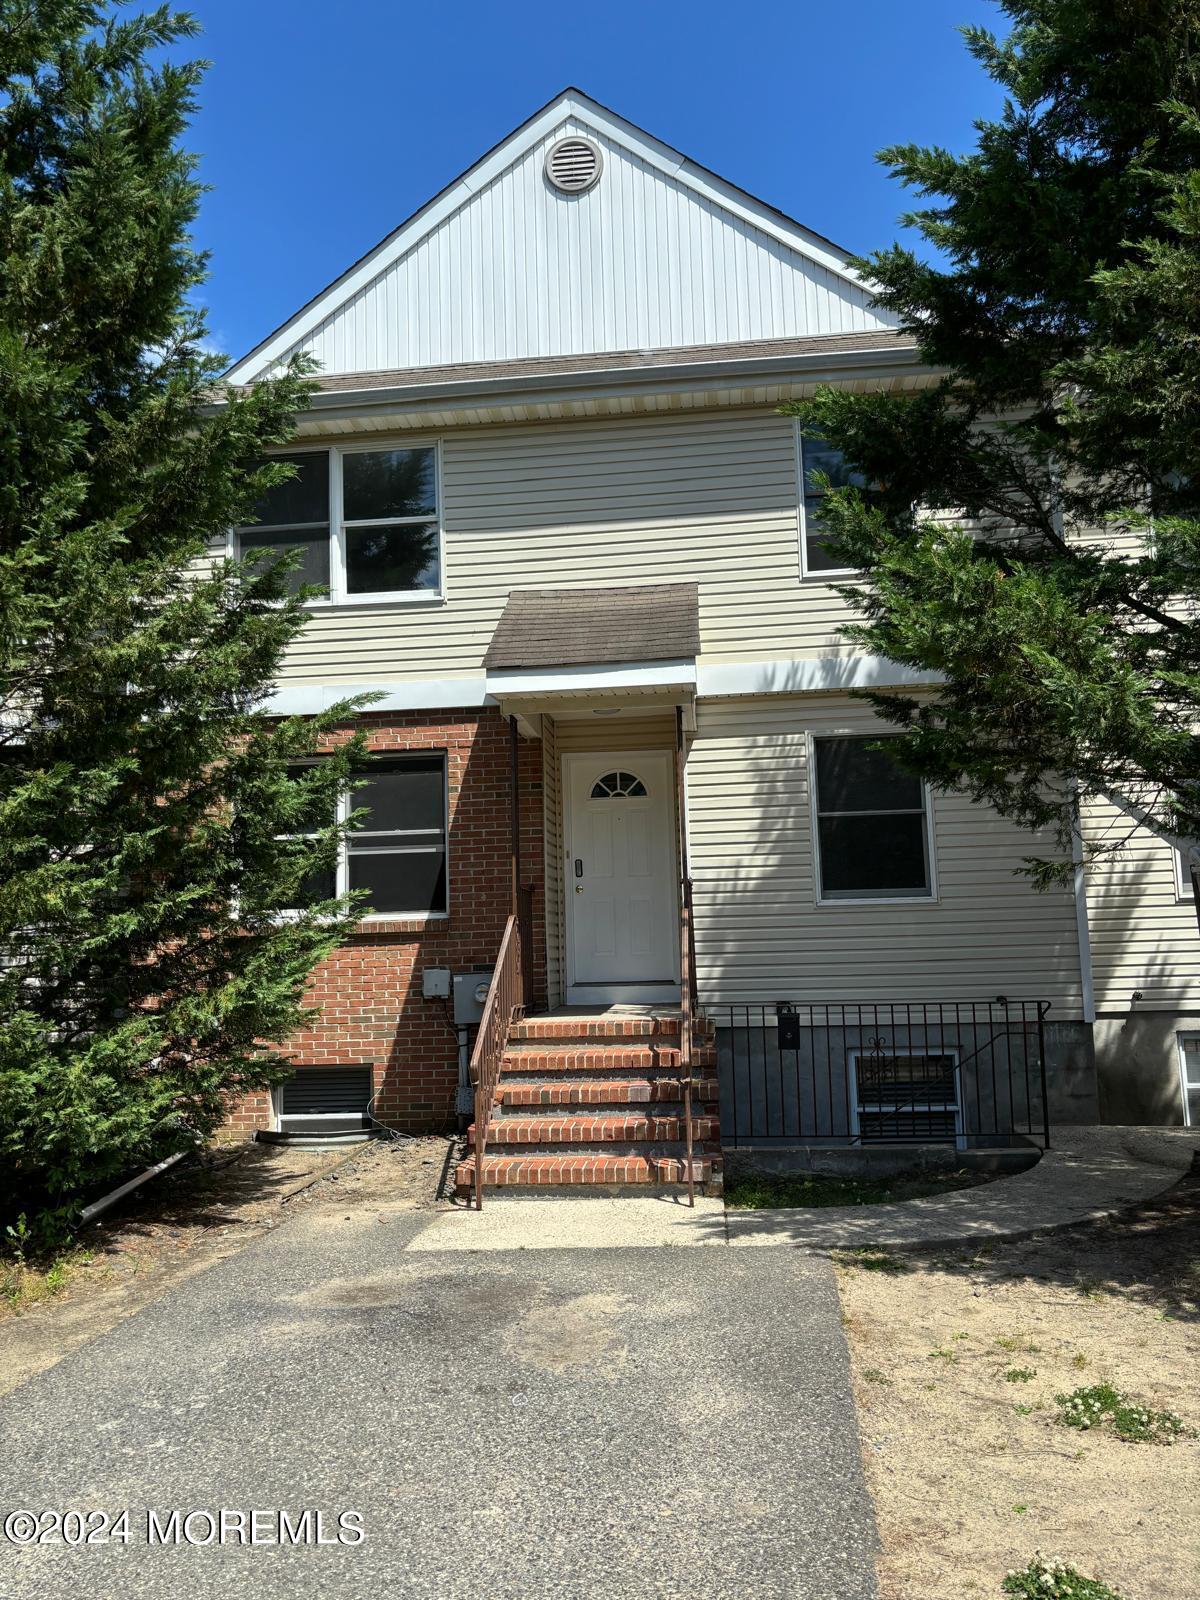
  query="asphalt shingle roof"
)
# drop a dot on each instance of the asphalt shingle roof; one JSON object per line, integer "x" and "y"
{"x": 573, "y": 627}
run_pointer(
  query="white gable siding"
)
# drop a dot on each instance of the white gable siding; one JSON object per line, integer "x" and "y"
{"x": 761, "y": 937}
{"x": 641, "y": 261}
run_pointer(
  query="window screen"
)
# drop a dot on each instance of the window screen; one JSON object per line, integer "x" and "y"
{"x": 872, "y": 839}
{"x": 399, "y": 853}
{"x": 295, "y": 516}
{"x": 313, "y": 817}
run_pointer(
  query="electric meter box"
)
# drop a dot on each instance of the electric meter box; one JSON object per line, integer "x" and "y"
{"x": 470, "y": 991}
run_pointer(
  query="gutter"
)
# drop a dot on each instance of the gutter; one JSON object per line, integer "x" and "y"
{"x": 665, "y": 378}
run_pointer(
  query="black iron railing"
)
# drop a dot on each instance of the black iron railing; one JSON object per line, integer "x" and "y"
{"x": 971, "y": 1073}
{"x": 504, "y": 1005}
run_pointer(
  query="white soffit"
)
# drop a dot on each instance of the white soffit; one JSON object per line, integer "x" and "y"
{"x": 657, "y": 253}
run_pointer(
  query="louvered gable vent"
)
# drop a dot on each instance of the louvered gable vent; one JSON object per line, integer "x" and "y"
{"x": 573, "y": 165}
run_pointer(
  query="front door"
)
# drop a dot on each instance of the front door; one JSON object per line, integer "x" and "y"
{"x": 620, "y": 879}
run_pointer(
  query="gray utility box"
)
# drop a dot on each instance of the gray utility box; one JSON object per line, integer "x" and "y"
{"x": 470, "y": 991}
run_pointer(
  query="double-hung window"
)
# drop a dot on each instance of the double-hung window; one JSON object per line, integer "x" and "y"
{"x": 871, "y": 824}
{"x": 817, "y": 457}
{"x": 367, "y": 523}
{"x": 295, "y": 516}
{"x": 399, "y": 853}
{"x": 321, "y": 882}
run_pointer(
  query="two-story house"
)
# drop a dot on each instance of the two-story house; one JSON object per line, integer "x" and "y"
{"x": 575, "y": 549}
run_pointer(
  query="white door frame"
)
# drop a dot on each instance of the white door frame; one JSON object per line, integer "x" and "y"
{"x": 602, "y": 994}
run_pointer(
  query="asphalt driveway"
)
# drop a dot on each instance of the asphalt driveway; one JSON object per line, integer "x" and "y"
{"x": 647, "y": 1422}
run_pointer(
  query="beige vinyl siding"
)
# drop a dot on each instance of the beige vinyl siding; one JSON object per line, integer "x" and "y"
{"x": 760, "y": 934}
{"x": 1143, "y": 936}
{"x": 647, "y": 730}
{"x": 709, "y": 498}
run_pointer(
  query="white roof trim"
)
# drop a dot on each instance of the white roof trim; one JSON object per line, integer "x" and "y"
{"x": 571, "y": 103}
{"x": 783, "y": 675}
{"x": 805, "y": 675}
{"x": 679, "y": 674}
{"x": 413, "y": 694}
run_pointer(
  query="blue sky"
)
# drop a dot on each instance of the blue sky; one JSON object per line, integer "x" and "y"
{"x": 325, "y": 124}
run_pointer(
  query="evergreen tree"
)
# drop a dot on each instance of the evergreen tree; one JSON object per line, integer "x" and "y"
{"x": 146, "y": 973}
{"x": 1027, "y": 526}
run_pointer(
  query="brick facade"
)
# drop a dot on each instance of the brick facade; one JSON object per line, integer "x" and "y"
{"x": 369, "y": 989}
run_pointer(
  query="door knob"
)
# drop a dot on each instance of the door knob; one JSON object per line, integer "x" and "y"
{"x": 578, "y": 888}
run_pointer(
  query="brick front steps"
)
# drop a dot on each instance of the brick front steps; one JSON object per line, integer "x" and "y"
{"x": 602, "y": 1092}
{"x": 586, "y": 1129}
{"x": 577, "y": 1056}
{"x": 534, "y": 1171}
{"x": 573, "y": 1105}
{"x": 613, "y": 1025}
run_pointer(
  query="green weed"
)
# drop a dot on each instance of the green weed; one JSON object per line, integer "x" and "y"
{"x": 1102, "y": 1406}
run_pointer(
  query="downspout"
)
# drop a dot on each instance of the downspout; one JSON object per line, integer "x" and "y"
{"x": 514, "y": 813}
{"x": 1082, "y": 928}
{"x": 99, "y": 1207}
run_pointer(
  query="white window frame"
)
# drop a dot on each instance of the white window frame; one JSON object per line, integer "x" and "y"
{"x": 339, "y": 595}
{"x": 1183, "y": 883}
{"x": 910, "y": 899}
{"x": 960, "y": 1139}
{"x": 277, "y": 1111}
{"x": 1180, "y": 1040}
{"x": 824, "y": 574}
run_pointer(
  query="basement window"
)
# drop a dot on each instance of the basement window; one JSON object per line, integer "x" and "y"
{"x": 902, "y": 1098}
{"x": 871, "y": 824}
{"x": 325, "y": 1100}
{"x": 1189, "y": 1077}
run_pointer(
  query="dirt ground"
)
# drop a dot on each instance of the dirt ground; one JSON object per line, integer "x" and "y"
{"x": 970, "y": 1470}
{"x": 196, "y": 1215}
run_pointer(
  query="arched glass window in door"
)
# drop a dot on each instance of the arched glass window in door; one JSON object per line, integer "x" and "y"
{"x": 618, "y": 786}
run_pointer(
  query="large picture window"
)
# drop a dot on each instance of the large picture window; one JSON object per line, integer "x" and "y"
{"x": 872, "y": 826}
{"x": 816, "y": 457}
{"x": 367, "y": 523}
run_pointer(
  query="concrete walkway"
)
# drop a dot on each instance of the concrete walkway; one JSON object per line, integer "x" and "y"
{"x": 631, "y": 1424}
{"x": 1091, "y": 1172}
